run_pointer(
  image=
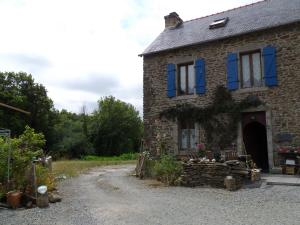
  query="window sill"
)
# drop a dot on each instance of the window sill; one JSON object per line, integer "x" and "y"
{"x": 250, "y": 90}
{"x": 185, "y": 152}
{"x": 185, "y": 97}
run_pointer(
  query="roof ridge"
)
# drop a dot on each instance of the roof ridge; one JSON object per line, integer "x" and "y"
{"x": 243, "y": 6}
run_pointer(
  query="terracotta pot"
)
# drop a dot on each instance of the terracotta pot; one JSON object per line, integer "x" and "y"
{"x": 14, "y": 199}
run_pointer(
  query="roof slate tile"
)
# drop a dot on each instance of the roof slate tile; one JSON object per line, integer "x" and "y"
{"x": 246, "y": 19}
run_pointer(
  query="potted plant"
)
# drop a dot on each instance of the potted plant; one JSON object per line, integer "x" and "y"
{"x": 13, "y": 199}
{"x": 200, "y": 150}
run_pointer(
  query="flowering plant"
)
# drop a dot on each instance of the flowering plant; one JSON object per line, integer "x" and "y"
{"x": 200, "y": 148}
{"x": 288, "y": 149}
{"x": 146, "y": 153}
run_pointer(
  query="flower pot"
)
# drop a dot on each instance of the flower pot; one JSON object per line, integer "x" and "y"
{"x": 14, "y": 199}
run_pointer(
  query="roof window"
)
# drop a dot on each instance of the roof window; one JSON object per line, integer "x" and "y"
{"x": 218, "y": 23}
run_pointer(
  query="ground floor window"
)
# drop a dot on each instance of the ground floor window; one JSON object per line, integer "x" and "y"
{"x": 187, "y": 136}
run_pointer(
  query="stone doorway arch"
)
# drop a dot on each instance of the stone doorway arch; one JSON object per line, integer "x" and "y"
{"x": 255, "y": 140}
{"x": 255, "y": 137}
{"x": 249, "y": 116}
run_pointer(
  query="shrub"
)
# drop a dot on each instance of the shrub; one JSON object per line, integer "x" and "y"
{"x": 3, "y": 160}
{"x": 200, "y": 150}
{"x": 167, "y": 169}
{"x": 149, "y": 167}
{"x": 44, "y": 177}
{"x": 23, "y": 149}
{"x": 2, "y": 192}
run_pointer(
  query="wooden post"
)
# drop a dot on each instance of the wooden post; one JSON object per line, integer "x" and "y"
{"x": 15, "y": 108}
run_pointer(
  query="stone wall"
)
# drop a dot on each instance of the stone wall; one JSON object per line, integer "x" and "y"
{"x": 207, "y": 174}
{"x": 282, "y": 102}
{"x": 200, "y": 174}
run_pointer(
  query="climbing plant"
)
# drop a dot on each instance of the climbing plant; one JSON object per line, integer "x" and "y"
{"x": 219, "y": 119}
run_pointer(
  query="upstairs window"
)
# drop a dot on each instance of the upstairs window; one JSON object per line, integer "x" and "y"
{"x": 251, "y": 72}
{"x": 186, "y": 79}
{"x": 187, "y": 136}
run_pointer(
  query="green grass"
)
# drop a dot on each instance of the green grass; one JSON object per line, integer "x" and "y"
{"x": 123, "y": 157}
{"x": 72, "y": 168}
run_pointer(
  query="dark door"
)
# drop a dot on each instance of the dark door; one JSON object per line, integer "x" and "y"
{"x": 255, "y": 138}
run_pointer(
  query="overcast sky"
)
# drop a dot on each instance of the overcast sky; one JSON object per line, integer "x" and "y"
{"x": 82, "y": 50}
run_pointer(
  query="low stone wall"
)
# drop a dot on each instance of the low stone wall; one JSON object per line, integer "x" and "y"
{"x": 207, "y": 173}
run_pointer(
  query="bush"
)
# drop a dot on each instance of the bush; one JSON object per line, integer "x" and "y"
{"x": 149, "y": 167}
{"x": 167, "y": 169}
{"x": 44, "y": 177}
{"x": 2, "y": 192}
{"x": 23, "y": 149}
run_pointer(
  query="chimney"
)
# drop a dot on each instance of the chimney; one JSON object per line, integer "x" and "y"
{"x": 172, "y": 20}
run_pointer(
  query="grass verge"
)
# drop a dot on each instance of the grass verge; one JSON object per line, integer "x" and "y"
{"x": 72, "y": 168}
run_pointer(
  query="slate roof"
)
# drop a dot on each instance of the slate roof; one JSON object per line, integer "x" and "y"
{"x": 245, "y": 19}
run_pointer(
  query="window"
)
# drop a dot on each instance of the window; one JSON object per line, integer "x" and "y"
{"x": 218, "y": 23}
{"x": 251, "y": 72}
{"x": 186, "y": 79}
{"x": 187, "y": 137}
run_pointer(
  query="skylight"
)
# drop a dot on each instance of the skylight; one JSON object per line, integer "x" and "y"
{"x": 218, "y": 23}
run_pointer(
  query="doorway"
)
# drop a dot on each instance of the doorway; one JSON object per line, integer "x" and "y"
{"x": 255, "y": 138}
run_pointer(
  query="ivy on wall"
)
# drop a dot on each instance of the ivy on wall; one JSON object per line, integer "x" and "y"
{"x": 219, "y": 119}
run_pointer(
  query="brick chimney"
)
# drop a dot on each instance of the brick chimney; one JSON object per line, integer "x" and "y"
{"x": 172, "y": 20}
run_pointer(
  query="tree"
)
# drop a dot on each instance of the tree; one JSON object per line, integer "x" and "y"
{"x": 116, "y": 127}
{"x": 20, "y": 90}
{"x": 71, "y": 136}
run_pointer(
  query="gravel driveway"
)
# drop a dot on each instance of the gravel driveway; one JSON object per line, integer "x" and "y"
{"x": 109, "y": 196}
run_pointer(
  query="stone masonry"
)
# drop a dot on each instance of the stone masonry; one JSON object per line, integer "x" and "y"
{"x": 282, "y": 103}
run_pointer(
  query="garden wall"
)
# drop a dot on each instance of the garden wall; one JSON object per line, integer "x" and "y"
{"x": 207, "y": 174}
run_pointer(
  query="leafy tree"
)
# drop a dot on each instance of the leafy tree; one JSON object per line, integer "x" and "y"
{"x": 20, "y": 90}
{"x": 71, "y": 139}
{"x": 116, "y": 127}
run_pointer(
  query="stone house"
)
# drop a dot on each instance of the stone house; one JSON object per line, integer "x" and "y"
{"x": 253, "y": 50}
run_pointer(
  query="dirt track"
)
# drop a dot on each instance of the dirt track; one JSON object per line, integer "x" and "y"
{"x": 109, "y": 196}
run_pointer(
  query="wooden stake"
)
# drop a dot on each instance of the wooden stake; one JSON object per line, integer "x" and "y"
{"x": 14, "y": 108}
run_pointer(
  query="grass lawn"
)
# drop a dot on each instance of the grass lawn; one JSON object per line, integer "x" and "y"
{"x": 72, "y": 168}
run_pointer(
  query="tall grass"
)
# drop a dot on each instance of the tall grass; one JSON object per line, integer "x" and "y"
{"x": 72, "y": 168}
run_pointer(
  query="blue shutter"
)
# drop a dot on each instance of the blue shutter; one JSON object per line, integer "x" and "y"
{"x": 232, "y": 71}
{"x": 171, "y": 79}
{"x": 200, "y": 76}
{"x": 270, "y": 76}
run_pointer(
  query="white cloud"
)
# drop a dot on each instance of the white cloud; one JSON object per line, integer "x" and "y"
{"x": 63, "y": 42}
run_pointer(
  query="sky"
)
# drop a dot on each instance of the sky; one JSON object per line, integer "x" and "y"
{"x": 82, "y": 50}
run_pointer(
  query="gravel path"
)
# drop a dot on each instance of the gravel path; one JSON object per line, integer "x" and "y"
{"x": 109, "y": 196}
